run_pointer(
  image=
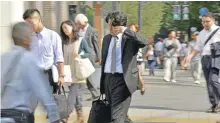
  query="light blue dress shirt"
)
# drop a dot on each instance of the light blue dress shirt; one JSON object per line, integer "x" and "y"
{"x": 118, "y": 55}
{"x": 27, "y": 85}
{"x": 47, "y": 46}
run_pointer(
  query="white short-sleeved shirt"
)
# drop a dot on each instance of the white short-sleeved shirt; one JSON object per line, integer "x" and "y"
{"x": 203, "y": 36}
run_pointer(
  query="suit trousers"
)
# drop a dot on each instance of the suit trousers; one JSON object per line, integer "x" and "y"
{"x": 89, "y": 81}
{"x": 118, "y": 97}
{"x": 211, "y": 76}
{"x": 196, "y": 70}
{"x": 170, "y": 68}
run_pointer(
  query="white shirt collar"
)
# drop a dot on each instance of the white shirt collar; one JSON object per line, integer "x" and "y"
{"x": 85, "y": 29}
{"x": 213, "y": 27}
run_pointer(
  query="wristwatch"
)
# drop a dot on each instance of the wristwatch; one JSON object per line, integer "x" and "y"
{"x": 62, "y": 76}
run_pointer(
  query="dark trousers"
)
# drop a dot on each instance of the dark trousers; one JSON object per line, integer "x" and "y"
{"x": 31, "y": 118}
{"x": 52, "y": 83}
{"x": 118, "y": 97}
{"x": 91, "y": 87}
{"x": 18, "y": 115}
{"x": 211, "y": 76}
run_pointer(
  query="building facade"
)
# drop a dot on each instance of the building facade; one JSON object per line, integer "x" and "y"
{"x": 53, "y": 13}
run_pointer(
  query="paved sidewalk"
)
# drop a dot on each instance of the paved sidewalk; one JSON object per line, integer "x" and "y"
{"x": 181, "y": 102}
{"x": 147, "y": 115}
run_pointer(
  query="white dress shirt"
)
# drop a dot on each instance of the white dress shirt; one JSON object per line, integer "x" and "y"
{"x": 82, "y": 32}
{"x": 203, "y": 36}
{"x": 118, "y": 55}
{"x": 47, "y": 46}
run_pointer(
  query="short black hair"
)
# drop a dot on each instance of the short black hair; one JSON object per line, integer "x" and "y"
{"x": 118, "y": 18}
{"x": 209, "y": 14}
{"x": 169, "y": 31}
{"x": 29, "y": 12}
{"x": 108, "y": 17}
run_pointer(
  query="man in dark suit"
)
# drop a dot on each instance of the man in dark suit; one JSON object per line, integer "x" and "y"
{"x": 91, "y": 36}
{"x": 119, "y": 76}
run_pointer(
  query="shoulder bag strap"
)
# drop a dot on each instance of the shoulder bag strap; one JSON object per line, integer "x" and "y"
{"x": 213, "y": 33}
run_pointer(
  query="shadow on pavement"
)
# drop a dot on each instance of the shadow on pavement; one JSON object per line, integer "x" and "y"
{"x": 163, "y": 108}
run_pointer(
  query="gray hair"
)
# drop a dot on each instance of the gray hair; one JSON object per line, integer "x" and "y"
{"x": 20, "y": 30}
{"x": 81, "y": 18}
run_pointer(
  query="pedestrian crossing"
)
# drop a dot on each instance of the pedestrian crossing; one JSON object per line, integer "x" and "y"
{"x": 155, "y": 115}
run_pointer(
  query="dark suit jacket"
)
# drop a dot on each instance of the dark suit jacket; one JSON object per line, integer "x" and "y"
{"x": 131, "y": 42}
{"x": 91, "y": 37}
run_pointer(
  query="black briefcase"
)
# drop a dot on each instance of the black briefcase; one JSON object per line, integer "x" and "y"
{"x": 100, "y": 111}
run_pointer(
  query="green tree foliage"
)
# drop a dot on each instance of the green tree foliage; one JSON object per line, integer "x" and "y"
{"x": 213, "y": 6}
{"x": 168, "y": 21}
{"x": 131, "y": 10}
{"x": 152, "y": 17}
{"x": 152, "y": 14}
{"x": 156, "y": 15}
{"x": 90, "y": 14}
{"x": 194, "y": 20}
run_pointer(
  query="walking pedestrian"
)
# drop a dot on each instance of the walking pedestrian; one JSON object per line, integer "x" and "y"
{"x": 135, "y": 28}
{"x": 119, "y": 75}
{"x": 195, "y": 65}
{"x": 171, "y": 51}
{"x": 46, "y": 46}
{"x": 71, "y": 40}
{"x": 23, "y": 83}
{"x": 91, "y": 36}
{"x": 210, "y": 34}
{"x": 151, "y": 58}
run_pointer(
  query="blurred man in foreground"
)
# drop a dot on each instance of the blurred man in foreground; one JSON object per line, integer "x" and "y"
{"x": 22, "y": 82}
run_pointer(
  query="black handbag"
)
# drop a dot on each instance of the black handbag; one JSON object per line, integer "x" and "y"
{"x": 62, "y": 103}
{"x": 100, "y": 111}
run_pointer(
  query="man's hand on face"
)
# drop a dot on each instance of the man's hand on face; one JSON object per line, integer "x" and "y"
{"x": 115, "y": 30}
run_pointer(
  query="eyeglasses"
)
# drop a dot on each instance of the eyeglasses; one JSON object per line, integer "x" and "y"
{"x": 203, "y": 22}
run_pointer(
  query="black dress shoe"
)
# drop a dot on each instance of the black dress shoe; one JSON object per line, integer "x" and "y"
{"x": 211, "y": 110}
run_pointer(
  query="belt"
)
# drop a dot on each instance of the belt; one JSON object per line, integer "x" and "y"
{"x": 114, "y": 74}
{"x": 47, "y": 71}
{"x": 206, "y": 56}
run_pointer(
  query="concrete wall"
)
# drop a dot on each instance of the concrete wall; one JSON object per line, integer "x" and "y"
{"x": 11, "y": 12}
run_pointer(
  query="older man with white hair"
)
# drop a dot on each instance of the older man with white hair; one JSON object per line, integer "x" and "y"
{"x": 91, "y": 36}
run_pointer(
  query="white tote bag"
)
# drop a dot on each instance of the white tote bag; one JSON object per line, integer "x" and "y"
{"x": 67, "y": 74}
{"x": 83, "y": 66}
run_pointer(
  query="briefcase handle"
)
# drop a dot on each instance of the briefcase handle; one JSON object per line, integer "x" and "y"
{"x": 101, "y": 97}
{"x": 63, "y": 90}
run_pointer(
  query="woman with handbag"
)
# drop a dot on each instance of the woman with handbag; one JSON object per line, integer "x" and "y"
{"x": 74, "y": 48}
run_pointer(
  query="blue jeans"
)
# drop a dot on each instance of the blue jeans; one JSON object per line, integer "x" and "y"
{"x": 151, "y": 65}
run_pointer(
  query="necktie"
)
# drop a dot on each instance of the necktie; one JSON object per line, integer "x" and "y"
{"x": 113, "y": 64}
